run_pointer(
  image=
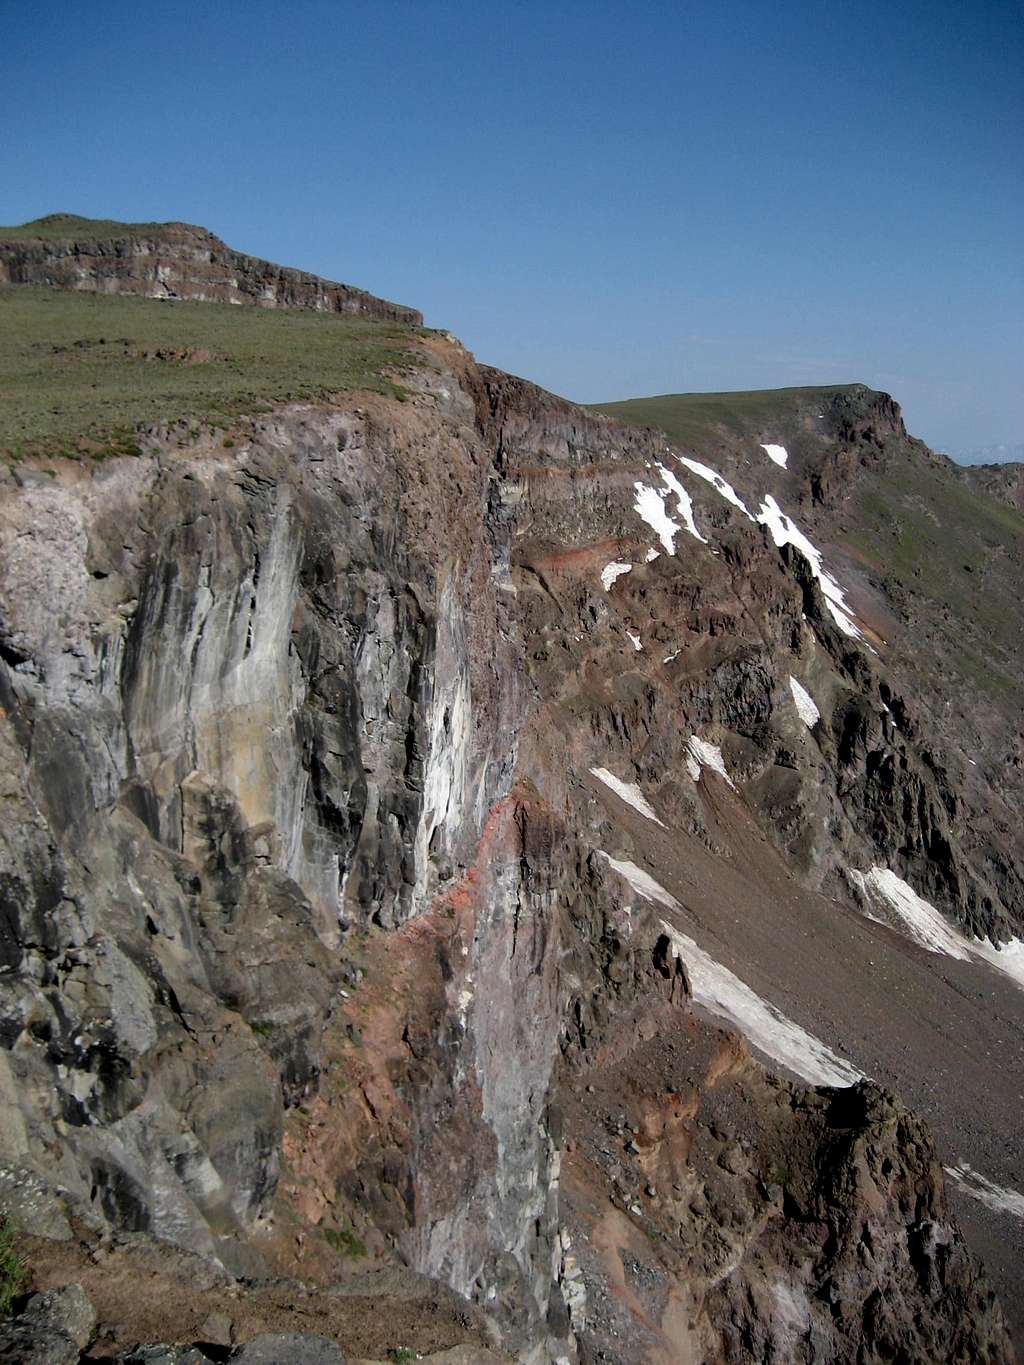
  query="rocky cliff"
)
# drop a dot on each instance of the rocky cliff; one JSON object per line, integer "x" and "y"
{"x": 408, "y": 801}
{"x": 171, "y": 261}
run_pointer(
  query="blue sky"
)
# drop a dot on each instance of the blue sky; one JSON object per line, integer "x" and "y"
{"x": 610, "y": 199}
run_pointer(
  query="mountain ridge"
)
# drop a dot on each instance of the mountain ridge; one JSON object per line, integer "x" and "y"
{"x": 172, "y": 261}
{"x": 411, "y": 806}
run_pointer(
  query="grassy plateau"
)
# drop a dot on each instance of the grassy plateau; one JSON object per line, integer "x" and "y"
{"x": 79, "y": 372}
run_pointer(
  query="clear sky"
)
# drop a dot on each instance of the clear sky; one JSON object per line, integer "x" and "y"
{"x": 612, "y": 199}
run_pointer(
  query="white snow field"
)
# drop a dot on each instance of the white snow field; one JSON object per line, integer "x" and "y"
{"x": 628, "y": 792}
{"x": 725, "y": 995}
{"x": 651, "y": 504}
{"x": 612, "y": 571}
{"x": 784, "y": 531}
{"x": 804, "y": 702}
{"x": 986, "y": 1191}
{"x": 704, "y": 755}
{"x": 903, "y": 909}
{"x": 641, "y": 882}
{"x": 710, "y": 476}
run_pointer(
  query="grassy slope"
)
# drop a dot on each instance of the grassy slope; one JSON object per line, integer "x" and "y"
{"x": 958, "y": 554}
{"x": 691, "y": 418}
{"x": 79, "y": 371}
{"x": 59, "y": 225}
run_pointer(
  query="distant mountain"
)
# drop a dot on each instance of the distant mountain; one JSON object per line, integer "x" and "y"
{"x": 993, "y": 454}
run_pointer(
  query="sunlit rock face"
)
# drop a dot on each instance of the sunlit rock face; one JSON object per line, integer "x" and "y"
{"x": 404, "y": 816}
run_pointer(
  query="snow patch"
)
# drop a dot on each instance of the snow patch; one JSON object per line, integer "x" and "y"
{"x": 651, "y": 504}
{"x": 651, "y": 555}
{"x": 986, "y": 1191}
{"x": 715, "y": 479}
{"x": 1008, "y": 957}
{"x": 636, "y": 640}
{"x": 684, "y": 503}
{"x": 704, "y": 755}
{"x": 674, "y": 655}
{"x": 903, "y": 909}
{"x": 806, "y": 709}
{"x": 778, "y": 1037}
{"x": 612, "y": 571}
{"x": 785, "y": 531}
{"x": 628, "y": 792}
{"x": 778, "y": 454}
{"x": 641, "y": 882}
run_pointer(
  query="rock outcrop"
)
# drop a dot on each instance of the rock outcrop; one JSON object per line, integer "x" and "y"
{"x": 172, "y": 261}
{"x": 325, "y": 942}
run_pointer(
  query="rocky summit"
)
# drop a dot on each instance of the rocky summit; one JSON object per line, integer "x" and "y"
{"x": 485, "y": 879}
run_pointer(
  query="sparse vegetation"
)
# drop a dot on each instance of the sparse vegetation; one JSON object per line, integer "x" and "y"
{"x": 12, "y": 1267}
{"x": 344, "y": 1240}
{"x": 401, "y": 1354}
{"x": 263, "y": 1027}
{"x": 81, "y": 372}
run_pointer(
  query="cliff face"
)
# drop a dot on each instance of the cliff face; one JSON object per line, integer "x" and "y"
{"x": 379, "y": 874}
{"x": 172, "y": 261}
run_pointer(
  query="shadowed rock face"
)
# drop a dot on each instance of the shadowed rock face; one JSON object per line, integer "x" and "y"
{"x": 174, "y": 261}
{"x": 316, "y": 937}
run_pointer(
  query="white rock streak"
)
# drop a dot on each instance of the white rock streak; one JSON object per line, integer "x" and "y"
{"x": 986, "y": 1191}
{"x": 784, "y": 531}
{"x": 704, "y": 755}
{"x": 804, "y": 702}
{"x": 899, "y": 906}
{"x": 725, "y": 995}
{"x": 778, "y": 454}
{"x": 628, "y": 792}
{"x": 612, "y": 571}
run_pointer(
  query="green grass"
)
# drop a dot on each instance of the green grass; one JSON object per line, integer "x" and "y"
{"x": 80, "y": 372}
{"x": 12, "y": 1267}
{"x": 958, "y": 552}
{"x": 690, "y": 418}
{"x": 58, "y": 225}
{"x": 401, "y": 1354}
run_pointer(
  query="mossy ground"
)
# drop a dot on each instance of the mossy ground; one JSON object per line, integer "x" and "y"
{"x": 79, "y": 372}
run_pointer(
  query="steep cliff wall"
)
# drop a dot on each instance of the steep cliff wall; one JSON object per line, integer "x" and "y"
{"x": 327, "y": 930}
{"x": 171, "y": 261}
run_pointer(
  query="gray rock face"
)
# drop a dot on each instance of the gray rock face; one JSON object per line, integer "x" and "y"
{"x": 304, "y": 922}
{"x": 53, "y": 1328}
{"x": 174, "y": 261}
{"x": 289, "y": 1348}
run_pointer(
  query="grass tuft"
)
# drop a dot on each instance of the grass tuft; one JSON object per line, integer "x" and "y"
{"x": 12, "y": 1268}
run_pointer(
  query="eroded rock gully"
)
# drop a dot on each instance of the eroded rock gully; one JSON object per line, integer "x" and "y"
{"x": 315, "y": 951}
